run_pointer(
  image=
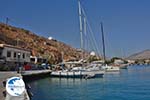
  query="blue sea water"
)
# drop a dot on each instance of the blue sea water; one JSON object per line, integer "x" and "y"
{"x": 129, "y": 84}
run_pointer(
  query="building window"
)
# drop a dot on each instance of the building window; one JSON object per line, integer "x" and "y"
{"x": 8, "y": 54}
{"x": 32, "y": 59}
{"x": 23, "y": 56}
{"x": 19, "y": 55}
{"x": 15, "y": 54}
{"x": 1, "y": 52}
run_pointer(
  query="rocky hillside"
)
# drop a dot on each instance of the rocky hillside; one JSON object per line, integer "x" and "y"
{"x": 39, "y": 46}
{"x": 141, "y": 55}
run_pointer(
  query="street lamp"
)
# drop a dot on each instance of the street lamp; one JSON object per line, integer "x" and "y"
{"x": 19, "y": 67}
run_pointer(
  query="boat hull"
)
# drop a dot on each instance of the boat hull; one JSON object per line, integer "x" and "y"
{"x": 110, "y": 68}
{"x": 79, "y": 74}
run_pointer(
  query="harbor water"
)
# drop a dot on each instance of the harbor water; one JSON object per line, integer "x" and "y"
{"x": 129, "y": 84}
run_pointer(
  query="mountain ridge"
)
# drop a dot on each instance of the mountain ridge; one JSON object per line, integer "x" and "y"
{"x": 39, "y": 46}
{"x": 145, "y": 54}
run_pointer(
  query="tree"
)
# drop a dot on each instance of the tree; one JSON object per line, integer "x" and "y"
{"x": 93, "y": 58}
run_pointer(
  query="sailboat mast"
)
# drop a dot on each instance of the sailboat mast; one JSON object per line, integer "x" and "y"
{"x": 103, "y": 42}
{"x": 84, "y": 19}
{"x": 84, "y": 25}
{"x": 80, "y": 21}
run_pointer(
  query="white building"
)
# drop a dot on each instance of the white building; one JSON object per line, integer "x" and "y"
{"x": 10, "y": 53}
{"x": 131, "y": 61}
{"x": 118, "y": 61}
{"x": 92, "y": 53}
{"x": 50, "y": 38}
{"x": 37, "y": 60}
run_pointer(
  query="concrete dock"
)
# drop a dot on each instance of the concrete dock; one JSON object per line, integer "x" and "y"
{"x": 35, "y": 72}
{"x": 33, "y": 75}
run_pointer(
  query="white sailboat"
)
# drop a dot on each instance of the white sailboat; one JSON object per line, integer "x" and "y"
{"x": 106, "y": 67}
{"x": 110, "y": 68}
{"x": 78, "y": 71}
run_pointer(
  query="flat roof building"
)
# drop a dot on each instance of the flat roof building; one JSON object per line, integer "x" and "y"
{"x": 10, "y": 53}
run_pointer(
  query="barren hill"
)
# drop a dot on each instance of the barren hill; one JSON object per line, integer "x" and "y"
{"x": 141, "y": 55}
{"x": 39, "y": 46}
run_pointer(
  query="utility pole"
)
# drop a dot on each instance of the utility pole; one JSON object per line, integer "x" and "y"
{"x": 62, "y": 56}
{"x": 7, "y": 20}
{"x": 17, "y": 41}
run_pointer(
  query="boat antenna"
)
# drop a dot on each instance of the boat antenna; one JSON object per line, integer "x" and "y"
{"x": 103, "y": 42}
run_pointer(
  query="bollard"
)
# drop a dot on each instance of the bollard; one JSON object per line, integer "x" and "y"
{"x": 67, "y": 74}
{"x": 73, "y": 74}
{"x": 59, "y": 74}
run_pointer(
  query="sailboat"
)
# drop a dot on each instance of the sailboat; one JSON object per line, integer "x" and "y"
{"x": 106, "y": 67}
{"x": 78, "y": 71}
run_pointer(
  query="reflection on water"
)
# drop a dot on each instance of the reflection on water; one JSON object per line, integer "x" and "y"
{"x": 130, "y": 84}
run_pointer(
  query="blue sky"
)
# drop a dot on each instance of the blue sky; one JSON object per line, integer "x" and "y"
{"x": 126, "y": 22}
